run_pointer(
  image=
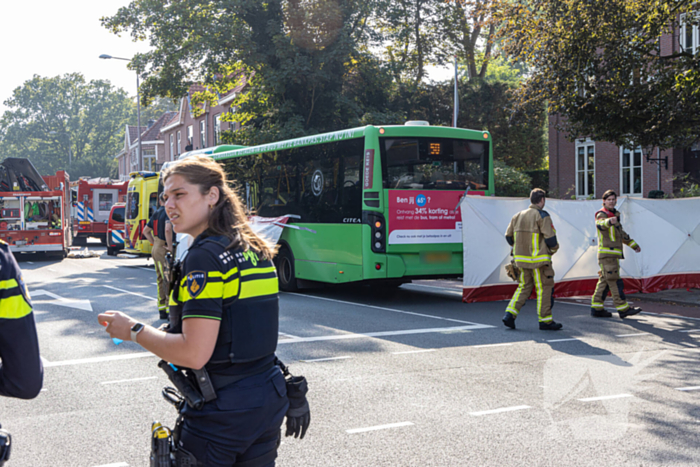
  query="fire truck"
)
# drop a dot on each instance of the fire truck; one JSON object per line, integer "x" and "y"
{"x": 34, "y": 210}
{"x": 92, "y": 201}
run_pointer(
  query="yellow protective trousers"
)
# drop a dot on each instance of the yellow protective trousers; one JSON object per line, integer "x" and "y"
{"x": 609, "y": 281}
{"x": 542, "y": 279}
{"x": 162, "y": 273}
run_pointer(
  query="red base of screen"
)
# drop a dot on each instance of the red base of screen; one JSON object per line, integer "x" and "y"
{"x": 490, "y": 293}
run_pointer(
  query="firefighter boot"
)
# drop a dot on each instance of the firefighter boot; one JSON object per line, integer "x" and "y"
{"x": 551, "y": 326}
{"x": 633, "y": 310}
{"x": 509, "y": 320}
{"x": 600, "y": 313}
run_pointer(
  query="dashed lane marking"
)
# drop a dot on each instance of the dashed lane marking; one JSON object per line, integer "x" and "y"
{"x": 490, "y": 345}
{"x": 564, "y": 340}
{"x": 690, "y": 388}
{"x": 413, "y": 351}
{"x": 392, "y": 310}
{"x": 378, "y": 427}
{"x": 326, "y": 359}
{"x": 633, "y": 335}
{"x": 128, "y": 380}
{"x": 365, "y": 335}
{"x": 111, "y": 358}
{"x": 604, "y": 398}
{"x": 132, "y": 293}
{"x": 501, "y": 410}
{"x": 690, "y": 330}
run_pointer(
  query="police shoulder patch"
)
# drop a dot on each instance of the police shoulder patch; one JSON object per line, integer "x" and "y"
{"x": 196, "y": 280}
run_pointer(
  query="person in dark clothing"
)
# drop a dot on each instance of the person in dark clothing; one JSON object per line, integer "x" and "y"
{"x": 224, "y": 318}
{"x": 162, "y": 243}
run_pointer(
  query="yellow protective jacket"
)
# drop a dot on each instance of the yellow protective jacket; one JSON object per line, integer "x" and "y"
{"x": 533, "y": 238}
{"x": 611, "y": 236}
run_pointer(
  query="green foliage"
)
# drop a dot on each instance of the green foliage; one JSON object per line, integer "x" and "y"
{"x": 540, "y": 178}
{"x": 598, "y": 63}
{"x": 51, "y": 119}
{"x": 687, "y": 187}
{"x": 510, "y": 182}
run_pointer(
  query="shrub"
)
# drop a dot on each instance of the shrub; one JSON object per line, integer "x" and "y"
{"x": 510, "y": 182}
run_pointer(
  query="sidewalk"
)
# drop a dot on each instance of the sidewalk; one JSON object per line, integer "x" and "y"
{"x": 680, "y": 302}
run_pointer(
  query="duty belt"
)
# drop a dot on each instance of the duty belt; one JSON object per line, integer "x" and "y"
{"x": 221, "y": 381}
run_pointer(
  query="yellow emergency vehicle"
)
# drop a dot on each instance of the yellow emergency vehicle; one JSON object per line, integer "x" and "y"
{"x": 141, "y": 203}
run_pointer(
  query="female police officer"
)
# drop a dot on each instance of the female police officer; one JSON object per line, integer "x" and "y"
{"x": 229, "y": 297}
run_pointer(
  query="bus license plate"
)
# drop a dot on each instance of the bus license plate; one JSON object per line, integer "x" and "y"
{"x": 434, "y": 257}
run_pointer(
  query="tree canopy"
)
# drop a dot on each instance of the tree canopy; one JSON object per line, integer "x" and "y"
{"x": 53, "y": 119}
{"x": 601, "y": 65}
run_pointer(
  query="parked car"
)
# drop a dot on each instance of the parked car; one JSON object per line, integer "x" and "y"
{"x": 115, "y": 229}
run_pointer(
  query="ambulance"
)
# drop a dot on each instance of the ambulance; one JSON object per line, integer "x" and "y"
{"x": 141, "y": 203}
{"x": 92, "y": 200}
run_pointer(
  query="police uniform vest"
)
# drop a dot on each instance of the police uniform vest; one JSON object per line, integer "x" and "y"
{"x": 240, "y": 289}
{"x": 533, "y": 238}
{"x": 611, "y": 237}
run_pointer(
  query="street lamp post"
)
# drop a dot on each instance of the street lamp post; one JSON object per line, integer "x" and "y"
{"x": 138, "y": 107}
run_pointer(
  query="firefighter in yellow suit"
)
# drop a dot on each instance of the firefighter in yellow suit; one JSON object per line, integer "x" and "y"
{"x": 611, "y": 237}
{"x": 534, "y": 241}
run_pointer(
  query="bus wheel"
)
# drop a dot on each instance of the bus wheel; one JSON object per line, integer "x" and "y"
{"x": 285, "y": 270}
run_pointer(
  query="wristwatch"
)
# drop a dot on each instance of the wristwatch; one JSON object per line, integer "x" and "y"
{"x": 135, "y": 329}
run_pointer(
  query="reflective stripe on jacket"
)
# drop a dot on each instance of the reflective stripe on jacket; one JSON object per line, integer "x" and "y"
{"x": 533, "y": 238}
{"x": 611, "y": 237}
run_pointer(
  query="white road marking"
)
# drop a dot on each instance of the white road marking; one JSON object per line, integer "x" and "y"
{"x": 111, "y": 358}
{"x": 564, "y": 340}
{"x": 690, "y": 330}
{"x": 118, "y": 464}
{"x": 29, "y": 262}
{"x": 572, "y": 303}
{"x": 690, "y": 388}
{"x": 43, "y": 360}
{"x": 154, "y": 283}
{"x": 490, "y": 345}
{"x": 446, "y": 289}
{"x": 662, "y": 315}
{"x": 336, "y": 337}
{"x": 378, "y": 427}
{"x": 58, "y": 300}
{"x": 325, "y": 359}
{"x": 503, "y": 409}
{"x": 632, "y": 335}
{"x": 413, "y": 351}
{"x": 287, "y": 335}
{"x": 132, "y": 293}
{"x": 390, "y": 309}
{"x": 128, "y": 380}
{"x": 604, "y": 398}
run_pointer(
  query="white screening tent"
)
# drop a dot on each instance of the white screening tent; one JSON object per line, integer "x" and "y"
{"x": 667, "y": 230}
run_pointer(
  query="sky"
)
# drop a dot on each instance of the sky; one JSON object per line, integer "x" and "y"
{"x": 54, "y": 37}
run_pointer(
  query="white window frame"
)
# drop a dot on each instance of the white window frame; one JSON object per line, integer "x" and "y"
{"x": 217, "y": 129}
{"x": 179, "y": 143}
{"x": 203, "y": 132}
{"x": 172, "y": 147}
{"x": 584, "y": 144}
{"x": 632, "y": 167}
{"x": 695, "y": 37}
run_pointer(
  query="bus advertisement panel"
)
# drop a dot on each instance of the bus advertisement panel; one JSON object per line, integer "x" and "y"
{"x": 376, "y": 204}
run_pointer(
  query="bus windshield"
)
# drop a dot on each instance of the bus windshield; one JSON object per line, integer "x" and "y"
{"x": 434, "y": 163}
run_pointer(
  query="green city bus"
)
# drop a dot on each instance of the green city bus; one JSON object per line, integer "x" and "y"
{"x": 378, "y": 203}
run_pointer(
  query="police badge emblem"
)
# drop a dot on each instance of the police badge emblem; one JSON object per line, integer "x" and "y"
{"x": 196, "y": 280}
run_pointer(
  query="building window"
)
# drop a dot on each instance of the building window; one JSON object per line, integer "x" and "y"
{"x": 203, "y": 132}
{"x": 689, "y": 36}
{"x": 190, "y": 138}
{"x": 172, "y": 147}
{"x": 179, "y": 143}
{"x": 631, "y": 171}
{"x": 149, "y": 159}
{"x": 217, "y": 129}
{"x": 585, "y": 168}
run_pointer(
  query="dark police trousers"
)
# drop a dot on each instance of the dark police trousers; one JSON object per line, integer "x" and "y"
{"x": 242, "y": 424}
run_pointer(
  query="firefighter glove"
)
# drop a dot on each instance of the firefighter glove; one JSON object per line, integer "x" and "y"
{"x": 298, "y": 415}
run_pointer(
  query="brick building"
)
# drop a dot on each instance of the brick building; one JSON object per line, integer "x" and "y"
{"x": 185, "y": 132}
{"x": 152, "y": 146}
{"x": 585, "y": 168}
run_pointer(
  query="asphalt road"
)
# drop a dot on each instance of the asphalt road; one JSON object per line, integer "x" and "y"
{"x": 409, "y": 377}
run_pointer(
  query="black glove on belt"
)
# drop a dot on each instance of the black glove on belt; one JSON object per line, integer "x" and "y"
{"x": 298, "y": 415}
